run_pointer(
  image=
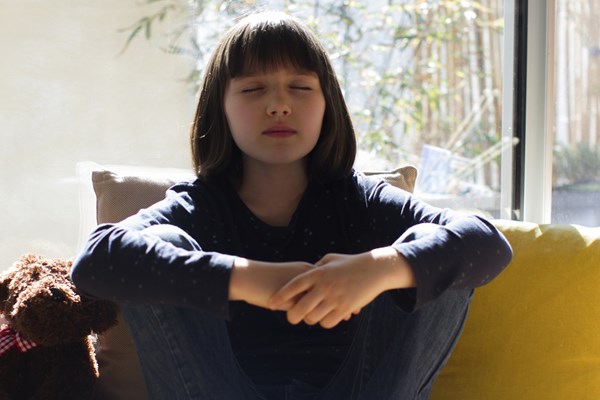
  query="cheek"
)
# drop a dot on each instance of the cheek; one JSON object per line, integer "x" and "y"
{"x": 237, "y": 120}
{"x": 238, "y": 115}
{"x": 318, "y": 113}
{"x": 232, "y": 116}
{"x": 228, "y": 110}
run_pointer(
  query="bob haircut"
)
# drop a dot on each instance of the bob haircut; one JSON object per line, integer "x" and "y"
{"x": 261, "y": 43}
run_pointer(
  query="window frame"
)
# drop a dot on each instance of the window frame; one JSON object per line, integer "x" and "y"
{"x": 528, "y": 101}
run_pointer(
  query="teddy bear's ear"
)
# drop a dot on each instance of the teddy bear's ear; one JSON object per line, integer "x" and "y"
{"x": 102, "y": 314}
{"x": 5, "y": 281}
{"x": 4, "y": 294}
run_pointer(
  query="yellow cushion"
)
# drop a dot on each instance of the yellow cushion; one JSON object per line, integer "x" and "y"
{"x": 534, "y": 332}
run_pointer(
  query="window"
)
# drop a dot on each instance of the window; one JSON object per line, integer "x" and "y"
{"x": 556, "y": 162}
{"x": 429, "y": 83}
{"x": 576, "y": 115}
{"x": 423, "y": 81}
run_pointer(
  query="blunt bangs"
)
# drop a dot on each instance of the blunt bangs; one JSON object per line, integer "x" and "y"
{"x": 267, "y": 44}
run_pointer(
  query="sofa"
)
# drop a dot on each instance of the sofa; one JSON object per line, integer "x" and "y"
{"x": 533, "y": 333}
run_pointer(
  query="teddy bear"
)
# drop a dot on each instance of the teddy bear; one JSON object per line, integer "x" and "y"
{"x": 46, "y": 343}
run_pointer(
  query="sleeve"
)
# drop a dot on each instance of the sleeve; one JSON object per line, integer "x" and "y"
{"x": 461, "y": 252}
{"x": 120, "y": 263}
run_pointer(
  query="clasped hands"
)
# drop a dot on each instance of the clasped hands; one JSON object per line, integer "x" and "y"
{"x": 326, "y": 293}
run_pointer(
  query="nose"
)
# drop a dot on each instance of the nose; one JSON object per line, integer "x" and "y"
{"x": 278, "y": 106}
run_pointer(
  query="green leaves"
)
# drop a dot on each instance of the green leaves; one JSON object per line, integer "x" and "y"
{"x": 145, "y": 24}
{"x": 412, "y": 72}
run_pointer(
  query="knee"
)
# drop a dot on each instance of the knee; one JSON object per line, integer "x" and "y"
{"x": 172, "y": 234}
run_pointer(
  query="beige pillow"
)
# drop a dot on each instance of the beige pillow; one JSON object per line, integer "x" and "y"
{"x": 120, "y": 191}
{"x": 403, "y": 177}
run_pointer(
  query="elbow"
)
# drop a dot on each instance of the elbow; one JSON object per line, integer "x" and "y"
{"x": 87, "y": 273}
{"x": 82, "y": 274}
{"x": 501, "y": 259}
{"x": 503, "y": 249}
{"x": 508, "y": 252}
{"x": 496, "y": 256}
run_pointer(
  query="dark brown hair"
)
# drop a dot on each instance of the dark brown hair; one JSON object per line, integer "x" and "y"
{"x": 263, "y": 42}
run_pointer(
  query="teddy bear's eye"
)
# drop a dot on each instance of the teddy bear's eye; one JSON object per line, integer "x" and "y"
{"x": 57, "y": 294}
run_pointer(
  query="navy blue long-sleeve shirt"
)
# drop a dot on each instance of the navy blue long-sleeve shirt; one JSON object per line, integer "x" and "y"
{"x": 348, "y": 216}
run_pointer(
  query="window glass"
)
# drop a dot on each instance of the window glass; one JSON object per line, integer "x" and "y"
{"x": 114, "y": 82}
{"x": 576, "y": 174}
{"x": 422, "y": 80}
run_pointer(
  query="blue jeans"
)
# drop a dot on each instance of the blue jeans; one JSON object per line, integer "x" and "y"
{"x": 186, "y": 354}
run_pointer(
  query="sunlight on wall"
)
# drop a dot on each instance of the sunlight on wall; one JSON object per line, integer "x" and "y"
{"x": 68, "y": 94}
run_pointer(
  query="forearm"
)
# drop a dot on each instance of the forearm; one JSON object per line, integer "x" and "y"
{"x": 395, "y": 270}
{"x": 243, "y": 278}
{"x": 256, "y": 281}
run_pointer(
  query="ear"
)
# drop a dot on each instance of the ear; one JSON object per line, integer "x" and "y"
{"x": 4, "y": 288}
{"x": 4, "y": 293}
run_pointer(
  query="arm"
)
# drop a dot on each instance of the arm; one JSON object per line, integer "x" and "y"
{"x": 120, "y": 263}
{"x": 457, "y": 251}
{"x": 342, "y": 285}
{"x": 255, "y": 281}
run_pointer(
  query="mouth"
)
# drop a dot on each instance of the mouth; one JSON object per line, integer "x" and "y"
{"x": 279, "y": 131}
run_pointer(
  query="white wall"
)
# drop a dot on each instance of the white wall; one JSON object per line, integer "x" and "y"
{"x": 66, "y": 95}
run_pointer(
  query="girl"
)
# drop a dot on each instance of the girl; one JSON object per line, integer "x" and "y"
{"x": 282, "y": 273}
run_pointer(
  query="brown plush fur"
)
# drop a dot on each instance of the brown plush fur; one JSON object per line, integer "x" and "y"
{"x": 38, "y": 300}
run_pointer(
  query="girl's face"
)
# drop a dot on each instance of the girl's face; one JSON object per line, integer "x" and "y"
{"x": 275, "y": 117}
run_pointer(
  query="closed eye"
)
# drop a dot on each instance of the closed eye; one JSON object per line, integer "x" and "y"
{"x": 300, "y": 87}
{"x": 251, "y": 89}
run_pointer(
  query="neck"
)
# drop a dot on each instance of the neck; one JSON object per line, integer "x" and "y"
{"x": 273, "y": 193}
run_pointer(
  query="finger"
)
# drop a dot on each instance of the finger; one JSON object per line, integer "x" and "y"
{"x": 304, "y": 306}
{"x": 332, "y": 319}
{"x": 348, "y": 317}
{"x": 320, "y": 311}
{"x": 291, "y": 303}
{"x": 285, "y": 306}
{"x": 291, "y": 290}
